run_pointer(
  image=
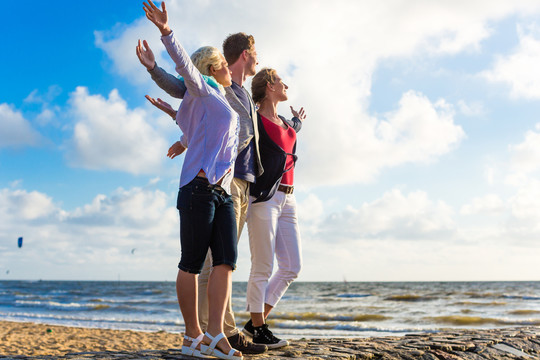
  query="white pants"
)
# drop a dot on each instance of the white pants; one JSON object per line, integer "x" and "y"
{"x": 273, "y": 230}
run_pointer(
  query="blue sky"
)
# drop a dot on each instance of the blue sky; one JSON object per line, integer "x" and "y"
{"x": 419, "y": 159}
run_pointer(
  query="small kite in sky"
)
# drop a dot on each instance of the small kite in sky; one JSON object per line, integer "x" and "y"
{"x": 19, "y": 242}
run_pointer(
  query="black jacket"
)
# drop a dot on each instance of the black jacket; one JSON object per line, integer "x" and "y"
{"x": 273, "y": 160}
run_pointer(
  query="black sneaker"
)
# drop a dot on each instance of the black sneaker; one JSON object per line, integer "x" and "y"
{"x": 263, "y": 335}
{"x": 240, "y": 343}
{"x": 248, "y": 328}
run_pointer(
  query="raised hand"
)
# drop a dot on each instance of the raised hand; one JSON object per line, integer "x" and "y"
{"x": 163, "y": 106}
{"x": 158, "y": 17}
{"x": 145, "y": 55}
{"x": 299, "y": 114}
{"x": 176, "y": 149}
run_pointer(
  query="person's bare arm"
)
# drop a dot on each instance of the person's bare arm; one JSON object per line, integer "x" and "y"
{"x": 176, "y": 149}
{"x": 163, "y": 106}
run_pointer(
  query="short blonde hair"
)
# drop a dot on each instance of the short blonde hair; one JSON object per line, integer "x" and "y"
{"x": 258, "y": 84}
{"x": 205, "y": 57}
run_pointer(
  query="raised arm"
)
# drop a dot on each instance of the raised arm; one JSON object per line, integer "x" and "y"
{"x": 163, "y": 106}
{"x": 168, "y": 109}
{"x": 192, "y": 77}
{"x": 169, "y": 83}
{"x": 297, "y": 120}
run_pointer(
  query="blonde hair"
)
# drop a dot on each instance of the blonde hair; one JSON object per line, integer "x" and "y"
{"x": 205, "y": 57}
{"x": 258, "y": 84}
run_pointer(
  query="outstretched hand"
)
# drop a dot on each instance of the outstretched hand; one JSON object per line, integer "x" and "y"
{"x": 145, "y": 55}
{"x": 163, "y": 106}
{"x": 158, "y": 17}
{"x": 176, "y": 149}
{"x": 299, "y": 114}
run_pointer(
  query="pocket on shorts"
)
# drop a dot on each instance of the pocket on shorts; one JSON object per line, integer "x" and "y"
{"x": 183, "y": 202}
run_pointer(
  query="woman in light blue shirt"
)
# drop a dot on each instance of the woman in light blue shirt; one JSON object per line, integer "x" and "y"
{"x": 207, "y": 220}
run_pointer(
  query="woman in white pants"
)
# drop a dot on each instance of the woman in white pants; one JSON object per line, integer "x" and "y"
{"x": 272, "y": 219}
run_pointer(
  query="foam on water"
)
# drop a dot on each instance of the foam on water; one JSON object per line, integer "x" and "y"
{"x": 307, "y": 309}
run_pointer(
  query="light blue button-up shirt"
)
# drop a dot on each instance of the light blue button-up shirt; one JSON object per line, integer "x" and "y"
{"x": 209, "y": 124}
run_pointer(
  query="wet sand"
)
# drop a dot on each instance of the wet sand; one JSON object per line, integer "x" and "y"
{"x": 38, "y": 341}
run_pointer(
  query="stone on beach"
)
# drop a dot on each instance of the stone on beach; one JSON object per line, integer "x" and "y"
{"x": 472, "y": 344}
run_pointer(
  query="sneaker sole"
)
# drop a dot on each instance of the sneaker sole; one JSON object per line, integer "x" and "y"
{"x": 250, "y": 351}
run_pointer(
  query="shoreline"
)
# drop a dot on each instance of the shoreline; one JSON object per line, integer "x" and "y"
{"x": 23, "y": 340}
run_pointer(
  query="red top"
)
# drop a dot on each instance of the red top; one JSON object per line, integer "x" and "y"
{"x": 285, "y": 139}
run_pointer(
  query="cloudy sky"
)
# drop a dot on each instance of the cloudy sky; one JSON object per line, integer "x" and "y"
{"x": 419, "y": 159}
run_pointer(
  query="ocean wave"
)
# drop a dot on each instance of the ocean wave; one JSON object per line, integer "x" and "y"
{"x": 135, "y": 302}
{"x": 311, "y": 316}
{"x": 520, "y": 297}
{"x": 53, "y": 305}
{"x": 478, "y": 303}
{"x": 524, "y": 312}
{"x": 71, "y": 319}
{"x": 478, "y": 295}
{"x": 352, "y": 295}
{"x": 476, "y": 321}
{"x": 351, "y": 327}
{"x": 48, "y": 304}
{"x": 409, "y": 297}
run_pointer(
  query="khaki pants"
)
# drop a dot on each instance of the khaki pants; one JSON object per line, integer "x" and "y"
{"x": 240, "y": 198}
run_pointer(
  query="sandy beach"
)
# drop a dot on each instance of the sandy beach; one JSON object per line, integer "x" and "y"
{"x": 38, "y": 341}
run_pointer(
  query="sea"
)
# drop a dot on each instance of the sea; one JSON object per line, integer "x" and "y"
{"x": 308, "y": 309}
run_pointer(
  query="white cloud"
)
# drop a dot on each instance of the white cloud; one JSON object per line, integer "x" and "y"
{"x": 520, "y": 69}
{"x": 109, "y": 135}
{"x": 122, "y": 49}
{"x": 489, "y": 174}
{"x": 310, "y": 209}
{"x": 419, "y": 130}
{"x": 49, "y": 112}
{"x": 35, "y": 97}
{"x": 377, "y": 240}
{"x": 472, "y": 109}
{"x": 93, "y": 241}
{"x": 488, "y": 204}
{"x": 524, "y": 223}
{"x": 393, "y": 216}
{"x": 526, "y": 155}
{"x": 21, "y": 206}
{"x": 330, "y": 72}
{"x": 15, "y": 130}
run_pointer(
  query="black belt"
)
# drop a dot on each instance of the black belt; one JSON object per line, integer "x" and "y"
{"x": 286, "y": 189}
{"x": 214, "y": 187}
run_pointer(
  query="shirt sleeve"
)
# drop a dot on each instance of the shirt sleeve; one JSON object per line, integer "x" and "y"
{"x": 167, "y": 82}
{"x": 193, "y": 79}
{"x": 295, "y": 123}
{"x": 183, "y": 141}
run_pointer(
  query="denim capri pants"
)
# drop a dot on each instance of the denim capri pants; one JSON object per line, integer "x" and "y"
{"x": 207, "y": 220}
